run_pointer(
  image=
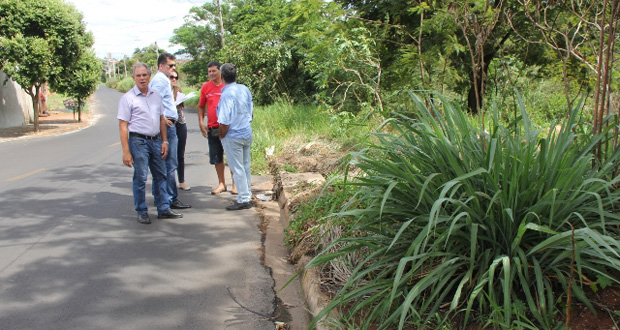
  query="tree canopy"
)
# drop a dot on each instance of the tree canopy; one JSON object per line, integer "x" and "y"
{"x": 41, "y": 41}
{"x": 357, "y": 54}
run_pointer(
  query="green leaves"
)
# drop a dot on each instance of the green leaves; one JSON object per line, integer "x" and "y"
{"x": 27, "y": 59}
{"x": 39, "y": 41}
{"x": 461, "y": 221}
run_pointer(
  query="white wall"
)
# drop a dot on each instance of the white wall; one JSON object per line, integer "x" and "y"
{"x": 15, "y": 105}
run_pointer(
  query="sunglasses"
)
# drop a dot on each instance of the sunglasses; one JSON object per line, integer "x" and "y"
{"x": 171, "y": 65}
{"x": 175, "y": 78}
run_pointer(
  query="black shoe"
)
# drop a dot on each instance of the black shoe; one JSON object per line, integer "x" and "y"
{"x": 169, "y": 215}
{"x": 239, "y": 206}
{"x": 179, "y": 205}
{"x": 144, "y": 219}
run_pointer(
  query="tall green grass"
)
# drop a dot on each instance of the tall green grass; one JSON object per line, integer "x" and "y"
{"x": 283, "y": 122}
{"x": 496, "y": 228}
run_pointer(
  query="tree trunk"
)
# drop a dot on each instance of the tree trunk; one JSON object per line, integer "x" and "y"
{"x": 219, "y": 13}
{"x": 475, "y": 97}
{"x": 79, "y": 106}
{"x": 478, "y": 84}
{"x": 36, "y": 98}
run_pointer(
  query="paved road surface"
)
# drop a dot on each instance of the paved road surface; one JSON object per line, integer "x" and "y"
{"x": 72, "y": 255}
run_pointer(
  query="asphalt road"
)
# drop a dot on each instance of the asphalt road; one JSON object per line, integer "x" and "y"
{"x": 72, "y": 255}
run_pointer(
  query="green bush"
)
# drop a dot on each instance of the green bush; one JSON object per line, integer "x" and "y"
{"x": 126, "y": 84}
{"x": 498, "y": 228}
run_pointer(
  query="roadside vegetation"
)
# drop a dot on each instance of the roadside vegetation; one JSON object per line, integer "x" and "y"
{"x": 46, "y": 42}
{"x": 471, "y": 178}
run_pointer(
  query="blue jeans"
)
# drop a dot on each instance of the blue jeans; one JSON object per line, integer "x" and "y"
{"x": 171, "y": 164}
{"x": 238, "y": 154}
{"x": 147, "y": 154}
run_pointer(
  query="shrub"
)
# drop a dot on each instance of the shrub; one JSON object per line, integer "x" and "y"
{"x": 126, "y": 84}
{"x": 499, "y": 228}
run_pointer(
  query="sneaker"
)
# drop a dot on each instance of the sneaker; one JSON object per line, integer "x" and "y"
{"x": 239, "y": 206}
{"x": 144, "y": 219}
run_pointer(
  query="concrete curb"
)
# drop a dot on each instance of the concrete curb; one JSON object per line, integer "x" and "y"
{"x": 285, "y": 189}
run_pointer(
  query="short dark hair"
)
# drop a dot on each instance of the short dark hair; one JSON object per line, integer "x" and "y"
{"x": 214, "y": 63}
{"x": 164, "y": 57}
{"x": 229, "y": 73}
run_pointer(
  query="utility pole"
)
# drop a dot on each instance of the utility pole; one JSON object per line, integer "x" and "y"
{"x": 156, "y": 50}
{"x": 125, "y": 64}
{"x": 219, "y": 10}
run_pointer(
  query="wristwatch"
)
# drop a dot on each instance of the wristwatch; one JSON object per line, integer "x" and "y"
{"x": 166, "y": 142}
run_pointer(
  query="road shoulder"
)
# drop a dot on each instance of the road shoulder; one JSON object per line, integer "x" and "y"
{"x": 58, "y": 122}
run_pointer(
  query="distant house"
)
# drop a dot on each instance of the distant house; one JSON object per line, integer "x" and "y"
{"x": 15, "y": 105}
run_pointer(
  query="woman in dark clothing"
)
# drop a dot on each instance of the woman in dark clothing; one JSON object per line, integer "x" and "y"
{"x": 181, "y": 132}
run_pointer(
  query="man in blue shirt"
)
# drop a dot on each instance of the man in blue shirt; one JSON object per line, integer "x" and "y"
{"x": 234, "y": 115}
{"x": 161, "y": 84}
{"x": 141, "y": 124}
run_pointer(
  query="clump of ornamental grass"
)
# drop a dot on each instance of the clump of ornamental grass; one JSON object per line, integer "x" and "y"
{"x": 499, "y": 227}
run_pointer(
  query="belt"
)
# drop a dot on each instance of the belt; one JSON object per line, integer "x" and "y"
{"x": 144, "y": 136}
{"x": 174, "y": 121}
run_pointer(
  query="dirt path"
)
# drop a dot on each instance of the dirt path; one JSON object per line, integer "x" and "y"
{"x": 58, "y": 122}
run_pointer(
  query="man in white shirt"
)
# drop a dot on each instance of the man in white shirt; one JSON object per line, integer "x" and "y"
{"x": 161, "y": 84}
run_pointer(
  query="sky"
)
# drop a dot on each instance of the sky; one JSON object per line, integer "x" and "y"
{"x": 121, "y": 26}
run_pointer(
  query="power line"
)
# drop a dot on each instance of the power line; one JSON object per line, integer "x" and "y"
{"x": 148, "y": 23}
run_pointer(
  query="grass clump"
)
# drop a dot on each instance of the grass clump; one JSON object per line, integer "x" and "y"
{"x": 283, "y": 122}
{"x": 458, "y": 226}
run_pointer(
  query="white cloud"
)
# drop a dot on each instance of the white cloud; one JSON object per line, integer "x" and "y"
{"x": 121, "y": 26}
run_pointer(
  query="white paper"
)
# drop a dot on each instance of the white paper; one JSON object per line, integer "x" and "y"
{"x": 182, "y": 97}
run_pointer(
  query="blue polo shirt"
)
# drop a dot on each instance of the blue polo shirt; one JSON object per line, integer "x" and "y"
{"x": 161, "y": 84}
{"x": 235, "y": 110}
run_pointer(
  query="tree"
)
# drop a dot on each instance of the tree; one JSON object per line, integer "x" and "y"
{"x": 84, "y": 77}
{"x": 146, "y": 55}
{"x": 483, "y": 33}
{"x": 340, "y": 53}
{"x": 201, "y": 39}
{"x": 582, "y": 32}
{"x": 256, "y": 42}
{"x": 39, "y": 41}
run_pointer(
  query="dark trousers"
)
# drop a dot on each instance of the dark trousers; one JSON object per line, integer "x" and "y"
{"x": 182, "y": 135}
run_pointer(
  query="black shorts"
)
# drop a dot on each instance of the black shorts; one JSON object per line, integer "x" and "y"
{"x": 216, "y": 150}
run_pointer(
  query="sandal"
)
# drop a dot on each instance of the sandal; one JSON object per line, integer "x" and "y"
{"x": 217, "y": 191}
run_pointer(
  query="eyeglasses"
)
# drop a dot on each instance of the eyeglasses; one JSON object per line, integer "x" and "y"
{"x": 171, "y": 65}
{"x": 175, "y": 78}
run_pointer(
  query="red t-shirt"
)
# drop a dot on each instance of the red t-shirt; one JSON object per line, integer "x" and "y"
{"x": 210, "y": 95}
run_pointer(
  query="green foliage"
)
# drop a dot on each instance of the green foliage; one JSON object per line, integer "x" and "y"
{"x": 126, "y": 84}
{"x": 274, "y": 124}
{"x": 146, "y": 55}
{"x": 454, "y": 220}
{"x": 201, "y": 39}
{"x": 279, "y": 123}
{"x": 255, "y": 41}
{"x": 317, "y": 212}
{"x": 28, "y": 60}
{"x": 340, "y": 54}
{"x": 83, "y": 79}
{"x": 41, "y": 41}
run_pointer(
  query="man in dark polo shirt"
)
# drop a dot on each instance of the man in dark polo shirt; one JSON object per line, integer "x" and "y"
{"x": 142, "y": 127}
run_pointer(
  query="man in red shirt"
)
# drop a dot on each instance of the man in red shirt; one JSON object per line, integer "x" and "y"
{"x": 210, "y": 97}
